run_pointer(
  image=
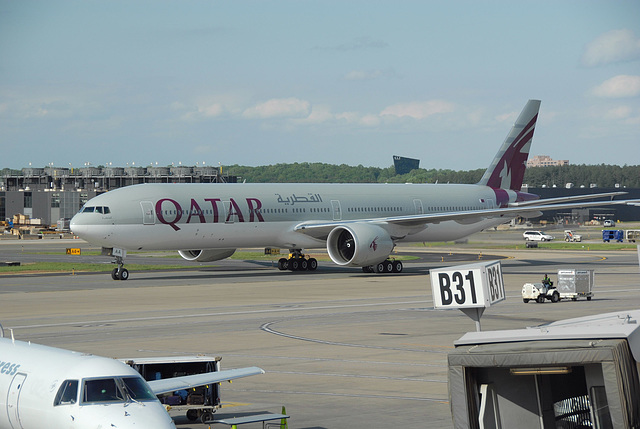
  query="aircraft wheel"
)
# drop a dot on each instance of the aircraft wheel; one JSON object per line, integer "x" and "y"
{"x": 313, "y": 264}
{"x": 192, "y": 415}
{"x": 294, "y": 264}
{"x": 379, "y": 268}
{"x": 206, "y": 417}
{"x": 540, "y": 299}
{"x": 388, "y": 266}
{"x": 114, "y": 274}
{"x": 367, "y": 269}
{"x": 282, "y": 264}
{"x": 397, "y": 266}
{"x": 304, "y": 265}
{"x": 124, "y": 274}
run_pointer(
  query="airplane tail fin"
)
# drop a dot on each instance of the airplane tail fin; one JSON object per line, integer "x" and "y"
{"x": 507, "y": 168}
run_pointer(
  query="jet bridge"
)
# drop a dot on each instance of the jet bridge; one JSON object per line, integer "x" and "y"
{"x": 577, "y": 373}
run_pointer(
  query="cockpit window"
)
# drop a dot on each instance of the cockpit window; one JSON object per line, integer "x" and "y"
{"x": 67, "y": 393}
{"x": 116, "y": 390}
{"x": 137, "y": 389}
{"x": 101, "y": 390}
{"x": 94, "y": 209}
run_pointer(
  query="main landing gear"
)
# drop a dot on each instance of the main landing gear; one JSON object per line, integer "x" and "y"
{"x": 297, "y": 261}
{"x": 120, "y": 273}
{"x": 388, "y": 266}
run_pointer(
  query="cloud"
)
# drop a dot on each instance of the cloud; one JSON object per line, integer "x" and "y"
{"x": 620, "y": 112}
{"x": 507, "y": 117}
{"x": 279, "y": 108}
{"x": 418, "y": 109}
{"x": 622, "y": 86}
{"x": 612, "y": 47}
{"x": 319, "y": 114}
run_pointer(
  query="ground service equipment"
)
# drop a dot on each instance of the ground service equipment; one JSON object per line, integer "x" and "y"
{"x": 612, "y": 235}
{"x": 199, "y": 402}
{"x": 576, "y": 283}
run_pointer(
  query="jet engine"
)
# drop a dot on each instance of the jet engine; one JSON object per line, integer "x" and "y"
{"x": 206, "y": 255}
{"x": 359, "y": 244}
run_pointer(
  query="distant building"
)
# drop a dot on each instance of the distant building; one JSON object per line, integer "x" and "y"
{"x": 545, "y": 161}
{"x": 54, "y": 193}
{"x": 405, "y": 165}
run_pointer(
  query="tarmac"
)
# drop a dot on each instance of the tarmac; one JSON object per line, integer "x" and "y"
{"x": 341, "y": 348}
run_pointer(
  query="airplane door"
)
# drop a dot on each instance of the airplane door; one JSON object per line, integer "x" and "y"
{"x": 13, "y": 399}
{"x": 337, "y": 211}
{"x": 147, "y": 213}
{"x": 418, "y": 206}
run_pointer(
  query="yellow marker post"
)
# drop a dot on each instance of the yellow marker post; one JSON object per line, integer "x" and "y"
{"x": 283, "y": 421}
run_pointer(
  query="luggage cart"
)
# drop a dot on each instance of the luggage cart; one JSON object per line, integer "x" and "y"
{"x": 576, "y": 283}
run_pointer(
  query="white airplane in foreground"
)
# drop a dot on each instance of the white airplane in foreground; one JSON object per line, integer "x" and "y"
{"x": 43, "y": 386}
{"x": 358, "y": 223}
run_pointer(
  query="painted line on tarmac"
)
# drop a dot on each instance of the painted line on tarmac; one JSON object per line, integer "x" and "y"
{"x": 375, "y": 377}
{"x": 267, "y": 328}
{"x": 348, "y": 395}
{"x": 216, "y": 314}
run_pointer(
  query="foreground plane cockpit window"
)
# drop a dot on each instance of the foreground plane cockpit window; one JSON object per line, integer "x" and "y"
{"x": 116, "y": 390}
{"x": 88, "y": 209}
{"x": 67, "y": 394}
{"x": 137, "y": 389}
{"x": 101, "y": 390}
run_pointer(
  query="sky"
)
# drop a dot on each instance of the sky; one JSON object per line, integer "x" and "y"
{"x": 193, "y": 82}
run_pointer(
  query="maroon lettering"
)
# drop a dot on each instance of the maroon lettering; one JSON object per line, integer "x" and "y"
{"x": 172, "y": 215}
{"x": 254, "y": 205}
{"x": 160, "y": 213}
{"x": 214, "y": 206}
{"x": 195, "y": 210}
{"x": 234, "y": 210}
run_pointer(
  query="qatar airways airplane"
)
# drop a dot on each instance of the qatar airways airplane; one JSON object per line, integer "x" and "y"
{"x": 359, "y": 224}
{"x": 43, "y": 386}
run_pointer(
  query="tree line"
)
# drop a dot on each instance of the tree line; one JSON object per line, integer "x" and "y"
{"x": 604, "y": 176}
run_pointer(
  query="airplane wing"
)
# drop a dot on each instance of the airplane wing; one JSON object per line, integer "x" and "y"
{"x": 168, "y": 385}
{"x": 322, "y": 230}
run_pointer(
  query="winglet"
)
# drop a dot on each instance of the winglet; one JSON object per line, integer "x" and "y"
{"x": 507, "y": 168}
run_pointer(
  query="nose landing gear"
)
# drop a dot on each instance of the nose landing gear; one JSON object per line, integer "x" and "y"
{"x": 119, "y": 273}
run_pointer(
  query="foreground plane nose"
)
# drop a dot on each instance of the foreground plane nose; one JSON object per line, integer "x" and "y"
{"x": 131, "y": 416}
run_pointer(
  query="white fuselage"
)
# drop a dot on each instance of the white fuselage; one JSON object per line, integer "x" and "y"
{"x": 222, "y": 216}
{"x": 43, "y": 386}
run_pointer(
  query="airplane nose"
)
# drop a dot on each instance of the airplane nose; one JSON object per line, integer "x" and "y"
{"x": 132, "y": 416}
{"x": 76, "y": 227}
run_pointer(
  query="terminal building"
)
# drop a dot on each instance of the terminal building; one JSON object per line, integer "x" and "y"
{"x": 53, "y": 193}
